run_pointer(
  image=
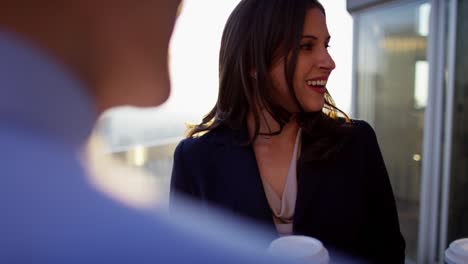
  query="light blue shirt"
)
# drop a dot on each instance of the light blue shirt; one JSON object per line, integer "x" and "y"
{"x": 48, "y": 211}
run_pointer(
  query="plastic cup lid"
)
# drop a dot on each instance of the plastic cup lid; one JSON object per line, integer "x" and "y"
{"x": 458, "y": 251}
{"x": 299, "y": 247}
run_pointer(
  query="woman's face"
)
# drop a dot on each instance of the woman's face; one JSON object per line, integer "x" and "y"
{"x": 313, "y": 67}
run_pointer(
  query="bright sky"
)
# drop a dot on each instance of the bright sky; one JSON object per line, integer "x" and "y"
{"x": 194, "y": 63}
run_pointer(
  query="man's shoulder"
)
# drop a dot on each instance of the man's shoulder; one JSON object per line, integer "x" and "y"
{"x": 76, "y": 224}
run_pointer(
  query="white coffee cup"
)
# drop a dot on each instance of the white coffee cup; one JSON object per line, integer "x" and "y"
{"x": 302, "y": 248}
{"x": 457, "y": 252}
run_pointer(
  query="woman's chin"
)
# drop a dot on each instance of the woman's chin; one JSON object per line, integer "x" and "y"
{"x": 313, "y": 108}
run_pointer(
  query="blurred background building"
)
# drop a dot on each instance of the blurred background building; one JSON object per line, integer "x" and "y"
{"x": 402, "y": 65}
{"x": 410, "y": 82}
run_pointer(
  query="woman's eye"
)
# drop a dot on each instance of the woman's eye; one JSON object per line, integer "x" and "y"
{"x": 306, "y": 46}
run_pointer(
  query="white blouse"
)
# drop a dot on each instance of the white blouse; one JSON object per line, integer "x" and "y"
{"x": 283, "y": 207}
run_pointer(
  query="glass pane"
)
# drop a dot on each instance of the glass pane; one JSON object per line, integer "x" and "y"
{"x": 392, "y": 87}
{"x": 458, "y": 203}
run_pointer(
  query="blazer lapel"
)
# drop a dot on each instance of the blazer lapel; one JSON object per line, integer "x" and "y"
{"x": 237, "y": 167}
{"x": 310, "y": 178}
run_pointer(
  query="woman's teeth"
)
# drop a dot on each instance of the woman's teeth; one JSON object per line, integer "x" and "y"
{"x": 317, "y": 83}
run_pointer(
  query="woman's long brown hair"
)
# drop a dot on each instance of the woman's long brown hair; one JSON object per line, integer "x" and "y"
{"x": 257, "y": 34}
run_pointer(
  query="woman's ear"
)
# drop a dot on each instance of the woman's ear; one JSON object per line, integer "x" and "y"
{"x": 253, "y": 74}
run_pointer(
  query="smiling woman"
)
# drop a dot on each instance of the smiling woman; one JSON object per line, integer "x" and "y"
{"x": 194, "y": 55}
{"x": 275, "y": 148}
{"x": 312, "y": 67}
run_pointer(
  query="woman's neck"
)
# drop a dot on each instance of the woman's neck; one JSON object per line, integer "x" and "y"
{"x": 269, "y": 125}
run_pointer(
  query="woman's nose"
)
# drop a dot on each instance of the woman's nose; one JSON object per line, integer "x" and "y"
{"x": 327, "y": 62}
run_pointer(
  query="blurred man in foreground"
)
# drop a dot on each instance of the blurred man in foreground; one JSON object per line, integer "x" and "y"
{"x": 62, "y": 63}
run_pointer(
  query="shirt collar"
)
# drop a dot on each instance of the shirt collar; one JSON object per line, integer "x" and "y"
{"x": 39, "y": 95}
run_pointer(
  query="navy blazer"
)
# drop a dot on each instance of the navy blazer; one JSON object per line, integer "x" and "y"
{"x": 346, "y": 202}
